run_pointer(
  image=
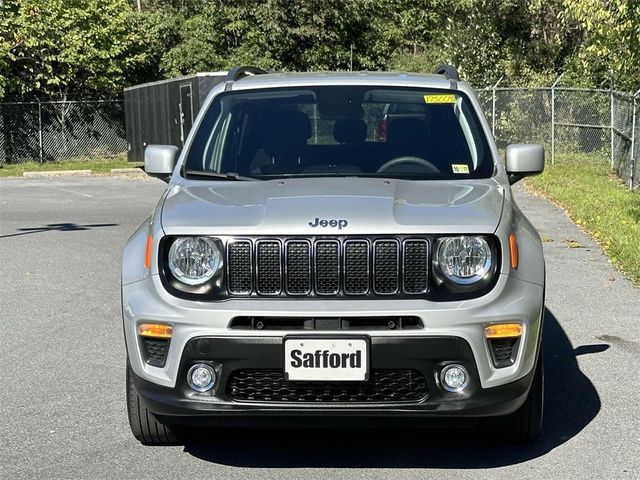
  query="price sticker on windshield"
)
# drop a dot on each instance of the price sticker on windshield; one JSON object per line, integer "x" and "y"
{"x": 441, "y": 98}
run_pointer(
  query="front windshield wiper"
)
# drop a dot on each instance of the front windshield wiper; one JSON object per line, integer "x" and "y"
{"x": 233, "y": 176}
{"x": 384, "y": 175}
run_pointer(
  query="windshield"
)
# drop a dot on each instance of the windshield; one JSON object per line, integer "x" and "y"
{"x": 343, "y": 131}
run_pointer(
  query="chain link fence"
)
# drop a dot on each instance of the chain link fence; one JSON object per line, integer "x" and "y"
{"x": 52, "y": 131}
{"x": 594, "y": 126}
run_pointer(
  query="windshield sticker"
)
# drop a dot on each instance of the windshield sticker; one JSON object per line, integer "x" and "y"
{"x": 460, "y": 168}
{"x": 440, "y": 98}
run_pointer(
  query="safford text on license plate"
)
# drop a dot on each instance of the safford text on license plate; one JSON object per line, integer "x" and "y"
{"x": 324, "y": 359}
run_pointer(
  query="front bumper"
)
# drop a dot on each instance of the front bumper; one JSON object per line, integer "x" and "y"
{"x": 511, "y": 300}
{"x": 426, "y": 355}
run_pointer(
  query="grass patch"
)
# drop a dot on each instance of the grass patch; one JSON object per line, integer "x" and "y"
{"x": 597, "y": 200}
{"x": 96, "y": 165}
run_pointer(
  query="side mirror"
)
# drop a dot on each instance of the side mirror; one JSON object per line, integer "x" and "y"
{"x": 524, "y": 160}
{"x": 160, "y": 161}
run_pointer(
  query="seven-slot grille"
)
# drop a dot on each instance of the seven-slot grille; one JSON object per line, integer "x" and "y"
{"x": 327, "y": 267}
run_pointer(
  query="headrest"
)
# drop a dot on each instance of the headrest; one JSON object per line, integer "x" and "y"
{"x": 407, "y": 131}
{"x": 289, "y": 126}
{"x": 350, "y": 130}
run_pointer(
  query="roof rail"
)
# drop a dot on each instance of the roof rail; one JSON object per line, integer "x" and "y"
{"x": 449, "y": 71}
{"x": 236, "y": 73}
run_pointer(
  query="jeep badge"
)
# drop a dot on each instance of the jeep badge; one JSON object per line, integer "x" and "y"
{"x": 342, "y": 223}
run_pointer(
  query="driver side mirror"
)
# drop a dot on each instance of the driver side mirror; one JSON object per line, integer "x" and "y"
{"x": 524, "y": 160}
{"x": 160, "y": 161}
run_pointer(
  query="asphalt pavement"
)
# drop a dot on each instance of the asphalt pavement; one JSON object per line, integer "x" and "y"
{"x": 62, "y": 357}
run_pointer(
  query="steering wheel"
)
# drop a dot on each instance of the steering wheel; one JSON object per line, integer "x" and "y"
{"x": 409, "y": 159}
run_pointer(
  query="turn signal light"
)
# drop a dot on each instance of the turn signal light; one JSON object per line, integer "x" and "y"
{"x": 513, "y": 249}
{"x": 503, "y": 330}
{"x": 155, "y": 330}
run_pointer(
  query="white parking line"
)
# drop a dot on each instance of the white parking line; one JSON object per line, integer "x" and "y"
{"x": 31, "y": 185}
{"x": 69, "y": 191}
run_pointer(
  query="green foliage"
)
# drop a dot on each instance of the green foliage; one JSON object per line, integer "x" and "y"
{"x": 7, "y": 43}
{"x": 96, "y": 165}
{"x": 278, "y": 34}
{"x": 611, "y": 41}
{"x": 59, "y": 48}
{"x": 158, "y": 32}
{"x": 62, "y": 48}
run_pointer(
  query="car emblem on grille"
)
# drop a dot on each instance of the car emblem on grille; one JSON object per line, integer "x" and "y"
{"x": 329, "y": 222}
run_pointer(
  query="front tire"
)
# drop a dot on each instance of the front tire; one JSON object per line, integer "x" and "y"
{"x": 144, "y": 425}
{"x": 525, "y": 423}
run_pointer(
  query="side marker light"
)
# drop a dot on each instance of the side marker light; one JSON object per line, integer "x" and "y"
{"x": 503, "y": 330}
{"x": 147, "y": 256}
{"x": 155, "y": 330}
{"x": 513, "y": 250}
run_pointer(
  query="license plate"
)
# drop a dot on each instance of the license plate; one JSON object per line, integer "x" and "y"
{"x": 314, "y": 359}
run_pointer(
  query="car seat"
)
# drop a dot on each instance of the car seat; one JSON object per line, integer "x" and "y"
{"x": 286, "y": 136}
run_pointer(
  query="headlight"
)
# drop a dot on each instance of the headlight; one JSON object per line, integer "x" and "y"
{"x": 194, "y": 260}
{"x": 464, "y": 260}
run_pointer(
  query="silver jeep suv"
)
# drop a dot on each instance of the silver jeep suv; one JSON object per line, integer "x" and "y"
{"x": 300, "y": 264}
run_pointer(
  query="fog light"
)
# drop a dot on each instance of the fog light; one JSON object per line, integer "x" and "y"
{"x": 201, "y": 377}
{"x": 454, "y": 378}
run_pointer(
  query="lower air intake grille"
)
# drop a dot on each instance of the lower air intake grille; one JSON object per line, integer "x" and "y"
{"x": 384, "y": 386}
{"x": 504, "y": 351}
{"x": 155, "y": 351}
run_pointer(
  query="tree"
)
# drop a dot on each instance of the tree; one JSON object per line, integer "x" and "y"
{"x": 276, "y": 34}
{"x": 611, "y": 41}
{"x": 7, "y": 43}
{"x": 65, "y": 48}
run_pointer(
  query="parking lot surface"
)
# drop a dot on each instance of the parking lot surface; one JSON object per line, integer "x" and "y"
{"x": 62, "y": 399}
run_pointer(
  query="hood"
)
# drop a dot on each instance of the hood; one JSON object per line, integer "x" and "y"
{"x": 332, "y": 206}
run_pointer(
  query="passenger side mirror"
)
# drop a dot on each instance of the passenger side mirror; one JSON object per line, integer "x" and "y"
{"x": 160, "y": 161}
{"x": 524, "y": 160}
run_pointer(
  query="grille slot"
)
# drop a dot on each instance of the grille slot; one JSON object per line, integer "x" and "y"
{"x": 327, "y": 263}
{"x": 298, "y": 275}
{"x": 384, "y": 386}
{"x": 386, "y": 264}
{"x": 356, "y": 267}
{"x": 269, "y": 268}
{"x": 416, "y": 265}
{"x": 239, "y": 267}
